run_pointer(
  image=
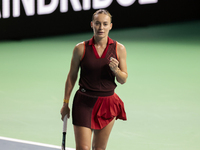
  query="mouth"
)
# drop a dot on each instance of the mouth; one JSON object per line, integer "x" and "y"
{"x": 100, "y": 32}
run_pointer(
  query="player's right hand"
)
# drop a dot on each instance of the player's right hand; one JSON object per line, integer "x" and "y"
{"x": 65, "y": 110}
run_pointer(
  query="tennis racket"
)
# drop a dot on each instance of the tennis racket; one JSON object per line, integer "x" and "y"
{"x": 64, "y": 132}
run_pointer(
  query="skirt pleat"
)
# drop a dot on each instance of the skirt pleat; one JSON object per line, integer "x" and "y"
{"x": 96, "y": 112}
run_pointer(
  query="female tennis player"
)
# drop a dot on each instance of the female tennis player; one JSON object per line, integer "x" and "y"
{"x": 96, "y": 106}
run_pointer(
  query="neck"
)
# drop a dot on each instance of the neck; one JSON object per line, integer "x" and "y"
{"x": 101, "y": 41}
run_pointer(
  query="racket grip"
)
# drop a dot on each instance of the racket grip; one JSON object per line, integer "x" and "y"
{"x": 65, "y": 124}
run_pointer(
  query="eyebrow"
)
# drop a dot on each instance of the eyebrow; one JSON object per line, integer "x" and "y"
{"x": 103, "y": 22}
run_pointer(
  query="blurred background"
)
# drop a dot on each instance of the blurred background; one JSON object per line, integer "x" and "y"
{"x": 33, "y": 18}
{"x": 162, "y": 93}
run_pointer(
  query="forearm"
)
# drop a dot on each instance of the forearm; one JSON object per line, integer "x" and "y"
{"x": 120, "y": 76}
{"x": 69, "y": 85}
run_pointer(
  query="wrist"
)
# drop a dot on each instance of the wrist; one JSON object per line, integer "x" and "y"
{"x": 65, "y": 104}
{"x": 116, "y": 71}
{"x": 66, "y": 101}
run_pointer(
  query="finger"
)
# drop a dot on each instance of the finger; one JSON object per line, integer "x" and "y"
{"x": 62, "y": 115}
{"x": 113, "y": 61}
{"x": 111, "y": 58}
{"x": 116, "y": 61}
{"x": 113, "y": 64}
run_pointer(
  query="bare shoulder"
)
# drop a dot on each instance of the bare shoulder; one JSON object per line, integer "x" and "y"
{"x": 79, "y": 50}
{"x": 121, "y": 50}
{"x": 79, "y": 47}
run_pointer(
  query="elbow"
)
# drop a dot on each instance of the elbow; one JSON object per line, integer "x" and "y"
{"x": 122, "y": 81}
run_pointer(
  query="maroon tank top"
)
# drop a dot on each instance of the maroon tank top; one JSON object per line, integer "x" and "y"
{"x": 95, "y": 75}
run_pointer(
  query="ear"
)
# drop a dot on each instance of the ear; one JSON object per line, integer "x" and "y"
{"x": 111, "y": 25}
{"x": 91, "y": 24}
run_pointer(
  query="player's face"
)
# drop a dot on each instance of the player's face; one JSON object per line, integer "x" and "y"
{"x": 101, "y": 25}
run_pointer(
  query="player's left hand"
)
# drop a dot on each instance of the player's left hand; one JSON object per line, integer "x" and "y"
{"x": 114, "y": 63}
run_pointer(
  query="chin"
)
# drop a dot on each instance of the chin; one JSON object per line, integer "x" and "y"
{"x": 101, "y": 35}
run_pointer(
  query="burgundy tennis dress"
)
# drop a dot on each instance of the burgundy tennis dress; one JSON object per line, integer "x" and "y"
{"x": 95, "y": 103}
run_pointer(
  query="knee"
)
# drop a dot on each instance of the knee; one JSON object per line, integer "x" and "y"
{"x": 83, "y": 147}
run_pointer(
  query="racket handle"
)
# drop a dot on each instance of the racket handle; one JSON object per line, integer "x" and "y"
{"x": 65, "y": 124}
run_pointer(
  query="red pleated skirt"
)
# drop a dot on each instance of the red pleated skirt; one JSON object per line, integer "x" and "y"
{"x": 96, "y": 112}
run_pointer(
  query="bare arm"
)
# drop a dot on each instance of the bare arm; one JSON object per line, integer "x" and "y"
{"x": 120, "y": 67}
{"x": 72, "y": 77}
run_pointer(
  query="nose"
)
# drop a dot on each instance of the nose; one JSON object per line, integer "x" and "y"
{"x": 101, "y": 26}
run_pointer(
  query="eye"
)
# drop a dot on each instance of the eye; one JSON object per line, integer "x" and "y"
{"x": 105, "y": 24}
{"x": 97, "y": 23}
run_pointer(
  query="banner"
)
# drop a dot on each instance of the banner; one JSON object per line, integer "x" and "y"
{"x": 34, "y": 18}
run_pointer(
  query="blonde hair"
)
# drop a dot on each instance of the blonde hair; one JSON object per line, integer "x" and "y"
{"x": 102, "y": 11}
